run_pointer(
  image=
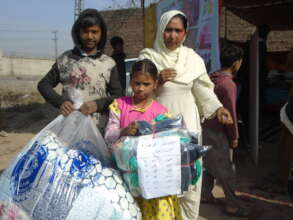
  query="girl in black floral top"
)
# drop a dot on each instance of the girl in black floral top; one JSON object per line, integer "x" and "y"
{"x": 84, "y": 69}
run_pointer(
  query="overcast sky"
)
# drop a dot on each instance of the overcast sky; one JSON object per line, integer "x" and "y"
{"x": 26, "y": 26}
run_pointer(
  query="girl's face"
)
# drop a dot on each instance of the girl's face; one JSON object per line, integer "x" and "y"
{"x": 174, "y": 33}
{"x": 143, "y": 85}
{"x": 90, "y": 37}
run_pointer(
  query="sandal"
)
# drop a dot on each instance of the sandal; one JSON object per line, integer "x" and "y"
{"x": 237, "y": 211}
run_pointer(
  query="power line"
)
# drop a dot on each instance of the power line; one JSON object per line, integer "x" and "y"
{"x": 11, "y": 30}
{"x": 27, "y": 31}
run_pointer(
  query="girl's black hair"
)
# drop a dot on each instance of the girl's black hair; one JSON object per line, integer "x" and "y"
{"x": 183, "y": 19}
{"x": 145, "y": 66}
{"x": 87, "y": 18}
{"x": 88, "y": 22}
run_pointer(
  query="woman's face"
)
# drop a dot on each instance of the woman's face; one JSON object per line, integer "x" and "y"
{"x": 174, "y": 33}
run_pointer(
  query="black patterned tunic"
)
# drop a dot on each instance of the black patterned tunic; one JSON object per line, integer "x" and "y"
{"x": 94, "y": 77}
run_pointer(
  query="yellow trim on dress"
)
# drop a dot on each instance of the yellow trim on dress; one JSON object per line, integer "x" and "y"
{"x": 168, "y": 115}
{"x": 114, "y": 107}
{"x": 138, "y": 109}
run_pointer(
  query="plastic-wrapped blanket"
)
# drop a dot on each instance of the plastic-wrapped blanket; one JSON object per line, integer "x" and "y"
{"x": 125, "y": 151}
{"x": 65, "y": 172}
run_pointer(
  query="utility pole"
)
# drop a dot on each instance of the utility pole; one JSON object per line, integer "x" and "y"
{"x": 78, "y": 7}
{"x": 55, "y": 39}
{"x": 142, "y": 7}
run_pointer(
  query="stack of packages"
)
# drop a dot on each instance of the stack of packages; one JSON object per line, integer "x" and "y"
{"x": 65, "y": 172}
{"x": 161, "y": 160}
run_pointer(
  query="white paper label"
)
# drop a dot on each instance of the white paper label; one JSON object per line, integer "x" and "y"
{"x": 159, "y": 166}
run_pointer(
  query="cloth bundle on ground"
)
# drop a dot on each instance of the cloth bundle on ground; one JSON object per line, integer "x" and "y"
{"x": 65, "y": 172}
{"x": 125, "y": 151}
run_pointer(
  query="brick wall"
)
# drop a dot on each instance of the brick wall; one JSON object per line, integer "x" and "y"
{"x": 128, "y": 24}
{"x": 237, "y": 29}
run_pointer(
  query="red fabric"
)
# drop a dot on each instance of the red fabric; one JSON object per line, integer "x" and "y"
{"x": 226, "y": 91}
{"x": 220, "y": 8}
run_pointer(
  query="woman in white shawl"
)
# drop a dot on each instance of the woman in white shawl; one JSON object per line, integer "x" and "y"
{"x": 185, "y": 87}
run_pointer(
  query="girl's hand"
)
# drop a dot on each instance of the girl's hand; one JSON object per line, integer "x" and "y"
{"x": 88, "y": 108}
{"x": 66, "y": 108}
{"x": 167, "y": 75}
{"x": 224, "y": 116}
{"x": 130, "y": 130}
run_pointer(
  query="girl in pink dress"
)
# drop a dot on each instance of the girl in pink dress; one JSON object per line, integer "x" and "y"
{"x": 124, "y": 112}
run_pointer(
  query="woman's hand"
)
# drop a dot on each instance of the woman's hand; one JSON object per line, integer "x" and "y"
{"x": 224, "y": 116}
{"x": 66, "y": 108}
{"x": 88, "y": 108}
{"x": 167, "y": 75}
{"x": 130, "y": 130}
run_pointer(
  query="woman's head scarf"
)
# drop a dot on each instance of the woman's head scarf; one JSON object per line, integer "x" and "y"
{"x": 188, "y": 64}
{"x": 159, "y": 44}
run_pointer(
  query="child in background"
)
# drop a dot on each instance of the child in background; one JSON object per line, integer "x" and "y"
{"x": 119, "y": 56}
{"x": 223, "y": 137}
{"x": 124, "y": 112}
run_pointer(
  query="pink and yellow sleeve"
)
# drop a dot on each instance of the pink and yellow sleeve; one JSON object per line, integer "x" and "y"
{"x": 112, "y": 132}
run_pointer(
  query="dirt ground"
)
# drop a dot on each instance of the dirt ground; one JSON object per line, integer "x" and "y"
{"x": 22, "y": 116}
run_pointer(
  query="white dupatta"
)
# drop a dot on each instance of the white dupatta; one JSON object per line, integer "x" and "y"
{"x": 187, "y": 63}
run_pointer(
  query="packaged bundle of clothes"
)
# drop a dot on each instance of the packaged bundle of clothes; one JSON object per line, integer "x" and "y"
{"x": 161, "y": 156}
{"x": 66, "y": 172}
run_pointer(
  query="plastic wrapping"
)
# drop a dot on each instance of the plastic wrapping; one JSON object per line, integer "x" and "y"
{"x": 125, "y": 151}
{"x": 162, "y": 123}
{"x": 65, "y": 172}
{"x": 76, "y": 96}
